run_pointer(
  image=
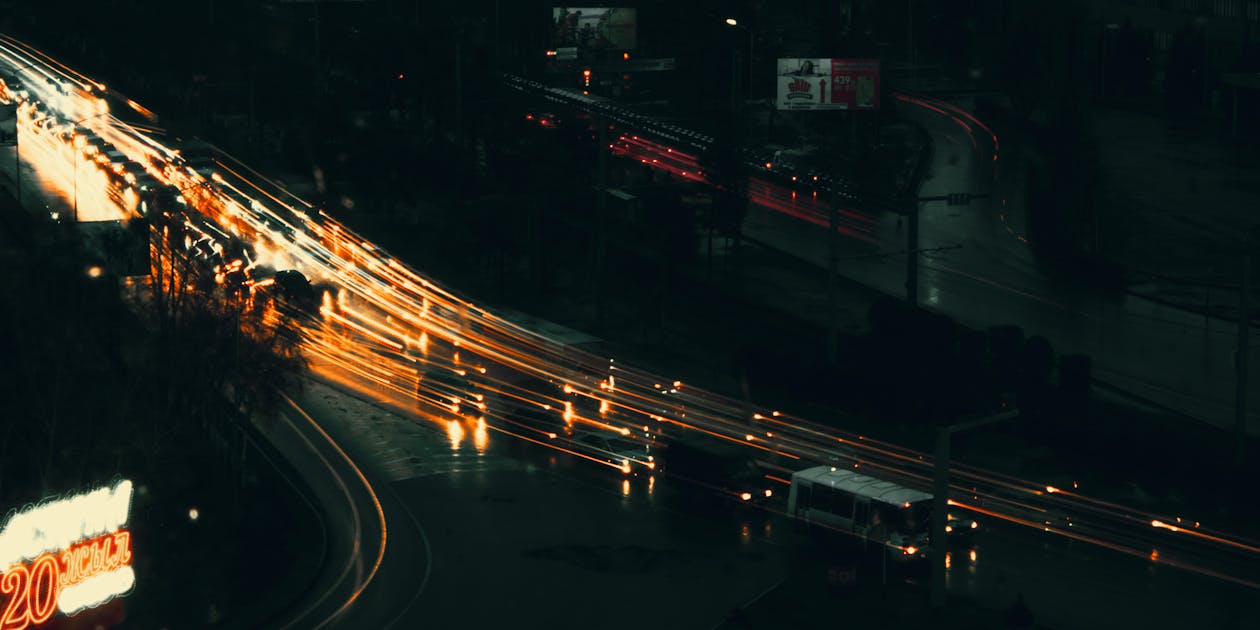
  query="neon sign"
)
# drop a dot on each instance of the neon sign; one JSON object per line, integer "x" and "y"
{"x": 65, "y": 554}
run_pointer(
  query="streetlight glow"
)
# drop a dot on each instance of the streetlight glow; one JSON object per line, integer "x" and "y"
{"x": 732, "y": 22}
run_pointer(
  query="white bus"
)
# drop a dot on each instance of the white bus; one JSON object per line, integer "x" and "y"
{"x": 874, "y": 510}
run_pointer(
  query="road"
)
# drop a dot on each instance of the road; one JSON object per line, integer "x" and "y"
{"x": 385, "y": 330}
{"x": 520, "y": 533}
{"x": 976, "y": 267}
{"x": 547, "y": 536}
{"x": 1179, "y": 359}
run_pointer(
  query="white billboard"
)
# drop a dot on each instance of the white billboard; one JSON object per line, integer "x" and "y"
{"x": 812, "y": 84}
{"x": 594, "y": 28}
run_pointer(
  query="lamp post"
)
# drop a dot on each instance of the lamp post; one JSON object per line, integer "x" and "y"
{"x": 17, "y": 159}
{"x": 74, "y": 163}
{"x": 1243, "y": 348}
{"x": 734, "y": 23}
{"x": 940, "y": 496}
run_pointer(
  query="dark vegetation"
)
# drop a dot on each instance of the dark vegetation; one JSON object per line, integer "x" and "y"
{"x": 914, "y": 370}
{"x": 532, "y": 237}
{"x": 97, "y": 381}
{"x": 103, "y": 379}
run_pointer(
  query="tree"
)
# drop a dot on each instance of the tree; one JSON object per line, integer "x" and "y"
{"x": 214, "y": 338}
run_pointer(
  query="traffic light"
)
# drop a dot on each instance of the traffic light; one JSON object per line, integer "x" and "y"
{"x": 958, "y": 199}
{"x": 586, "y": 77}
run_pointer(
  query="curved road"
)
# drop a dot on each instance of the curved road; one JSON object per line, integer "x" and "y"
{"x": 989, "y": 276}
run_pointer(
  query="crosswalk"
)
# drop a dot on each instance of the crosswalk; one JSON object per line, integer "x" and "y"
{"x": 406, "y": 446}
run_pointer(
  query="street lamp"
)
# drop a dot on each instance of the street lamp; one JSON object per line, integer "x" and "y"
{"x": 1251, "y": 242}
{"x": 940, "y": 495}
{"x": 735, "y": 56}
{"x": 912, "y": 237}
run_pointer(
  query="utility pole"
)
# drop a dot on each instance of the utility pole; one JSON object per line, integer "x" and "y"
{"x": 75, "y": 174}
{"x": 601, "y": 220}
{"x": 459, "y": 108}
{"x": 1243, "y": 349}
{"x": 912, "y": 256}
{"x": 940, "y": 496}
{"x": 940, "y": 514}
{"x": 914, "y": 70}
{"x": 833, "y": 274}
{"x": 319, "y": 66}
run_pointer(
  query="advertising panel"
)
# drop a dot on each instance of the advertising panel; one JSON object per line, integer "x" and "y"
{"x": 803, "y": 83}
{"x": 593, "y": 28}
{"x": 65, "y": 555}
{"x": 855, "y": 83}
{"x": 813, "y": 84}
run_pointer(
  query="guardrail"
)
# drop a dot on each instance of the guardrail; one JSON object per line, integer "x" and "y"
{"x": 343, "y": 490}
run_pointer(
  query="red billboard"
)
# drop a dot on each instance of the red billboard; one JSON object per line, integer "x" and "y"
{"x": 810, "y": 84}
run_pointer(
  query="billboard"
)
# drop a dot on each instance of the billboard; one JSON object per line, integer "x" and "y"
{"x": 595, "y": 28}
{"x": 811, "y": 84}
{"x": 65, "y": 555}
{"x": 8, "y": 124}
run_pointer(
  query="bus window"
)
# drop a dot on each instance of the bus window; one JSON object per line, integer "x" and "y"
{"x": 843, "y": 504}
{"x": 823, "y": 499}
{"x": 860, "y": 513}
{"x": 804, "y": 494}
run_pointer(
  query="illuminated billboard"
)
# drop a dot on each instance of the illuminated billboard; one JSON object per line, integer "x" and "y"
{"x": 596, "y": 28}
{"x": 812, "y": 84}
{"x": 68, "y": 554}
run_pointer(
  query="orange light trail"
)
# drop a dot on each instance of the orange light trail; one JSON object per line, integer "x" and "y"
{"x": 383, "y": 309}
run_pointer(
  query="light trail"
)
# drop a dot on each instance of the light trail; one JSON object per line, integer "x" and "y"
{"x": 376, "y": 320}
